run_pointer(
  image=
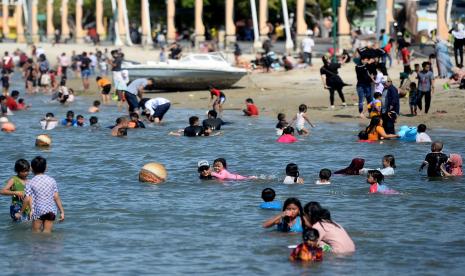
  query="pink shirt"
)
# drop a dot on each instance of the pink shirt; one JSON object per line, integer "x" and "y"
{"x": 286, "y": 138}
{"x": 224, "y": 174}
{"x": 334, "y": 236}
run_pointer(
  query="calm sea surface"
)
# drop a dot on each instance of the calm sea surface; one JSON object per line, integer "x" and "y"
{"x": 116, "y": 225}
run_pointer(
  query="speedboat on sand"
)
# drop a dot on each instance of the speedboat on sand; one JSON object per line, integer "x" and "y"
{"x": 191, "y": 72}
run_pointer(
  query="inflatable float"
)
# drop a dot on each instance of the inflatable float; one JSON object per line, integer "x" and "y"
{"x": 153, "y": 173}
{"x": 43, "y": 140}
{"x": 8, "y": 127}
{"x": 408, "y": 134}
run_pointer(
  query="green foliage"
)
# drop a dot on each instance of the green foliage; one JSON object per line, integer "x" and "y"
{"x": 356, "y": 8}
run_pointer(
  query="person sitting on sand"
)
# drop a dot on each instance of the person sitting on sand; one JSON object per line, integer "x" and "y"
{"x": 251, "y": 109}
{"x": 95, "y": 107}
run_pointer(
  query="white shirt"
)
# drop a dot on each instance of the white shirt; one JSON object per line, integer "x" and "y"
{"x": 384, "y": 171}
{"x": 458, "y": 34}
{"x": 152, "y": 104}
{"x": 379, "y": 84}
{"x": 40, "y": 51}
{"x": 93, "y": 60}
{"x": 64, "y": 61}
{"x": 290, "y": 180}
{"x": 423, "y": 138}
{"x": 307, "y": 44}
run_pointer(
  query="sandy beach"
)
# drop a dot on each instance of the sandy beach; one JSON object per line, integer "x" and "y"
{"x": 283, "y": 91}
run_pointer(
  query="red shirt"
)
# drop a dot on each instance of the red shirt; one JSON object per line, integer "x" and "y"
{"x": 405, "y": 56}
{"x": 252, "y": 109}
{"x": 215, "y": 92}
{"x": 11, "y": 103}
{"x": 387, "y": 48}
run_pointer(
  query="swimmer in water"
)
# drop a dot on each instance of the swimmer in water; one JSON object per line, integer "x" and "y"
{"x": 290, "y": 220}
{"x": 135, "y": 122}
{"x": 269, "y": 203}
{"x": 375, "y": 179}
{"x": 220, "y": 172}
{"x": 93, "y": 121}
{"x": 49, "y": 122}
{"x": 389, "y": 164}
{"x": 288, "y": 136}
{"x": 15, "y": 187}
{"x": 69, "y": 120}
{"x": 292, "y": 175}
{"x": 308, "y": 250}
{"x": 80, "y": 121}
{"x": 95, "y": 107}
{"x": 282, "y": 124}
{"x": 203, "y": 168}
{"x": 325, "y": 175}
{"x": 121, "y": 127}
{"x": 195, "y": 129}
{"x": 434, "y": 160}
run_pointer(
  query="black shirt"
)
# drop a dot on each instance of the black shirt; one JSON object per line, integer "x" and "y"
{"x": 363, "y": 77}
{"x": 192, "y": 131}
{"x": 117, "y": 61}
{"x": 214, "y": 123}
{"x": 85, "y": 62}
{"x": 435, "y": 160}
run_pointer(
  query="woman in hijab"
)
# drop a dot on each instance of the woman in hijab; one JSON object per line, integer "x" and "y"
{"x": 354, "y": 168}
{"x": 454, "y": 165}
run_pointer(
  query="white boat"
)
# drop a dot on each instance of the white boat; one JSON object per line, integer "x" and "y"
{"x": 191, "y": 72}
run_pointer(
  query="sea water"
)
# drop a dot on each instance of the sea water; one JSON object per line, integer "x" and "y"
{"x": 117, "y": 225}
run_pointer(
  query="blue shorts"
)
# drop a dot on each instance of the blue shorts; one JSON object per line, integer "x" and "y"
{"x": 161, "y": 110}
{"x": 85, "y": 73}
{"x": 15, "y": 208}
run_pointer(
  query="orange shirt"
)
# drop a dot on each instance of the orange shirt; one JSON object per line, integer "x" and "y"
{"x": 102, "y": 82}
{"x": 374, "y": 135}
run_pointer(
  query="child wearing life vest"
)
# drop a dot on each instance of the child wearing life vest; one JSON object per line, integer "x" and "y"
{"x": 308, "y": 251}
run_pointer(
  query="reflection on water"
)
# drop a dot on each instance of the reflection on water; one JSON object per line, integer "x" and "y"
{"x": 116, "y": 224}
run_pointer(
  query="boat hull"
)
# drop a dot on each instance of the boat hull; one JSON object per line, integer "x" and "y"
{"x": 179, "y": 79}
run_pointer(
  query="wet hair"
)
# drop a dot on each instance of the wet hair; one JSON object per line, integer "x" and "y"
{"x": 249, "y": 100}
{"x": 268, "y": 194}
{"x": 119, "y": 120}
{"x": 222, "y": 161}
{"x": 377, "y": 175}
{"x": 288, "y": 130}
{"x": 377, "y": 95}
{"x": 391, "y": 160}
{"x": 293, "y": 170}
{"x": 93, "y": 120}
{"x": 436, "y": 146}
{"x": 302, "y": 108}
{"x": 281, "y": 116}
{"x": 373, "y": 124}
{"x": 421, "y": 128}
{"x": 296, "y": 202}
{"x": 79, "y": 117}
{"x": 38, "y": 165}
{"x": 310, "y": 234}
{"x": 96, "y": 103}
{"x": 49, "y": 114}
{"x": 70, "y": 113}
{"x": 134, "y": 115}
{"x": 14, "y": 93}
{"x": 22, "y": 165}
{"x": 21, "y": 100}
{"x": 212, "y": 113}
{"x": 123, "y": 131}
{"x": 316, "y": 213}
{"x": 193, "y": 120}
{"x": 325, "y": 174}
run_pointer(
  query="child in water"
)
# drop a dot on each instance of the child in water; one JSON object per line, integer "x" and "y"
{"x": 422, "y": 137}
{"x": 389, "y": 164}
{"x": 268, "y": 196}
{"x": 95, "y": 107}
{"x": 288, "y": 136}
{"x": 453, "y": 166}
{"x": 375, "y": 178}
{"x": 135, "y": 122}
{"x": 220, "y": 172}
{"x": 325, "y": 176}
{"x": 15, "y": 188}
{"x": 69, "y": 120}
{"x": 292, "y": 175}
{"x": 434, "y": 160}
{"x": 42, "y": 193}
{"x": 282, "y": 124}
{"x": 80, "y": 121}
{"x": 300, "y": 119}
{"x": 308, "y": 251}
{"x": 290, "y": 220}
{"x": 252, "y": 109}
{"x": 49, "y": 122}
{"x": 203, "y": 168}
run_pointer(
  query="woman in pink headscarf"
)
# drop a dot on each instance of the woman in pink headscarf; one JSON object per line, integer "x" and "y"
{"x": 454, "y": 165}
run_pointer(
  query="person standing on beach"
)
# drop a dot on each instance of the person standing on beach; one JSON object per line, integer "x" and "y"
{"x": 307, "y": 45}
{"x": 331, "y": 79}
{"x": 116, "y": 67}
{"x": 459, "y": 41}
{"x": 425, "y": 86}
{"x": 364, "y": 81}
{"x": 85, "y": 70}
